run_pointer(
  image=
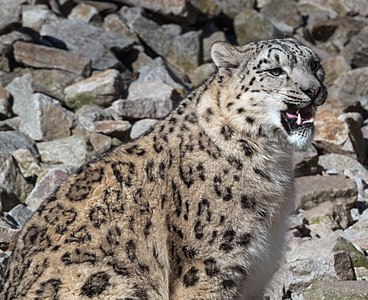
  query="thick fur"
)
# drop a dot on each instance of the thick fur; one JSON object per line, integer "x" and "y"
{"x": 195, "y": 209}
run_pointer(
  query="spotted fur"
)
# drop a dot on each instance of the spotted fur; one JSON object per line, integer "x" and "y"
{"x": 195, "y": 209}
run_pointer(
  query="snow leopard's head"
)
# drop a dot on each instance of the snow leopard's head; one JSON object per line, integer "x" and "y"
{"x": 274, "y": 83}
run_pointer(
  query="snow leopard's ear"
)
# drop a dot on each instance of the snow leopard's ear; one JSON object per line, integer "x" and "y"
{"x": 225, "y": 55}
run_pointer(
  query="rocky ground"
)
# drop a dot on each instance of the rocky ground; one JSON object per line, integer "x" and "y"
{"x": 79, "y": 77}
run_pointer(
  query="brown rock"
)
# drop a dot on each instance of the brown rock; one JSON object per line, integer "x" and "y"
{"x": 164, "y": 7}
{"x": 51, "y": 58}
{"x": 83, "y": 12}
{"x": 353, "y": 290}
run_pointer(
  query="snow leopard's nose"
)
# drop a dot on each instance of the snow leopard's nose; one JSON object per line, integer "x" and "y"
{"x": 318, "y": 95}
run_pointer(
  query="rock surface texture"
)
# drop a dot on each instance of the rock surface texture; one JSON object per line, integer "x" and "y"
{"x": 80, "y": 77}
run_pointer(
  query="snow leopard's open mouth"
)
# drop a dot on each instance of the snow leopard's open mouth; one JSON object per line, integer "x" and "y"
{"x": 298, "y": 118}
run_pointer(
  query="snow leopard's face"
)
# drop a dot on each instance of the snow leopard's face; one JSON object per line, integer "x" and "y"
{"x": 280, "y": 82}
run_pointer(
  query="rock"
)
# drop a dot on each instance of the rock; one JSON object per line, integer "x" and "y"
{"x": 153, "y": 89}
{"x": 115, "y": 128}
{"x": 209, "y": 8}
{"x": 357, "y": 234}
{"x": 10, "y": 11}
{"x": 43, "y": 118}
{"x": 83, "y": 12}
{"x": 306, "y": 162}
{"x": 88, "y": 114}
{"x": 21, "y": 88}
{"x": 357, "y": 49}
{"x": 315, "y": 11}
{"x": 142, "y": 59}
{"x": 343, "y": 7}
{"x": 142, "y": 108}
{"x": 5, "y": 105}
{"x": 207, "y": 43}
{"x": 162, "y": 7}
{"x": 34, "y": 16}
{"x": 100, "y": 142}
{"x": 51, "y": 58}
{"x": 8, "y": 232}
{"x": 87, "y": 40}
{"x": 351, "y": 87}
{"x": 45, "y": 185}
{"x": 312, "y": 190}
{"x": 232, "y": 8}
{"x": 72, "y": 151}
{"x": 113, "y": 23}
{"x": 334, "y": 67}
{"x": 13, "y": 184}
{"x": 11, "y": 141}
{"x": 5, "y": 50}
{"x": 361, "y": 273}
{"x": 353, "y": 290}
{"x": 201, "y": 73}
{"x": 185, "y": 51}
{"x": 249, "y": 26}
{"x": 20, "y": 214}
{"x": 283, "y": 15}
{"x": 100, "y": 89}
{"x": 158, "y": 70}
{"x": 53, "y": 82}
{"x": 27, "y": 164}
{"x": 140, "y": 127}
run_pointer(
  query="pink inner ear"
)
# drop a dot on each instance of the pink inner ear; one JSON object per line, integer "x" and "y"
{"x": 290, "y": 115}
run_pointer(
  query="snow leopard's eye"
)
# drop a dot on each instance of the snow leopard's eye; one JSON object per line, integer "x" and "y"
{"x": 276, "y": 71}
{"x": 314, "y": 65}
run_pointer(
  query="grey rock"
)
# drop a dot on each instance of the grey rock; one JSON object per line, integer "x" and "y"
{"x": 71, "y": 151}
{"x": 335, "y": 66}
{"x": 12, "y": 182}
{"x": 20, "y": 214}
{"x": 357, "y": 234}
{"x": 43, "y": 118}
{"x": 151, "y": 89}
{"x": 343, "y": 7}
{"x": 163, "y": 7}
{"x": 85, "y": 39}
{"x": 283, "y": 14}
{"x": 21, "y": 88}
{"x": 142, "y": 108}
{"x": 83, "y": 12}
{"x": 99, "y": 142}
{"x": 34, "y": 16}
{"x": 201, "y": 73}
{"x": 114, "y": 128}
{"x": 27, "y": 163}
{"x": 142, "y": 59}
{"x": 315, "y": 11}
{"x": 10, "y": 38}
{"x": 232, "y": 8}
{"x": 185, "y": 51}
{"x": 88, "y": 114}
{"x": 45, "y": 185}
{"x": 249, "y": 26}
{"x": 357, "y": 49}
{"x": 114, "y": 23}
{"x": 8, "y": 231}
{"x": 158, "y": 70}
{"x": 209, "y": 8}
{"x": 100, "y": 89}
{"x": 351, "y": 86}
{"x": 13, "y": 140}
{"x": 353, "y": 290}
{"x": 5, "y": 105}
{"x": 5, "y": 51}
{"x": 142, "y": 126}
{"x": 306, "y": 162}
{"x": 312, "y": 190}
{"x": 10, "y": 11}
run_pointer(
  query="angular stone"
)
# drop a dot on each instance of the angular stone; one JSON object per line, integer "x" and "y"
{"x": 100, "y": 89}
{"x": 142, "y": 108}
{"x": 249, "y": 26}
{"x": 88, "y": 114}
{"x": 11, "y": 180}
{"x": 140, "y": 127}
{"x": 353, "y": 290}
{"x": 334, "y": 67}
{"x": 283, "y": 14}
{"x": 357, "y": 49}
{"x": 113, "y": 23}
{"x": 34, "y": 16}
{"x": 5, "y": 104}
{"x": 27, "y": 163}
{"x": 346, "y": 7}
{"x": 51, "y": 58}
{"x": 45, "y": 185}
{"x": 100, "y": 142}
{"x": 87, "y": 40}
{"x": 357, "y": 234}
{"x": 312, "y": 190}
{"x": 53, "y": 82}
{"x": 112, "y": 127}
{"x": 142, "y": 59}
{"x": 20, "y": 214}
{"x": 14, "y": 140}
{"x": 351, "y": 86}
{"x": 8, "y": 232}
{"x": 10, "y": 11}
{"x": 83, "y": 12}
{"x": 201, "y": 73}
{"x": 71, "y": 151}
{"x": 232, "y": 8}
{"x": 21, "y": 88}
{"x": 151, "y": 89}
{"x": 163, "y": 7}
{"x": 185, "y": 51}
{"x": 315, "y": 11}
{"x": 208, "y": 8}
{"x": 306, "y": 162}
{"x": 43, "y": 118}
{"x": 5, "y": 52}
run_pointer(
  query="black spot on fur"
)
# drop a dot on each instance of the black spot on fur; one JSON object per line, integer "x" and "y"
{"x": 130, "y": 249}
{"x": 95, "y": 284}
{"x": 211, "y": 267}
{"x": 198, "y": 229}
{"x": 189, "y": 252}
{"x": 190, "y": 278}
{"x": 250, "y": 120}
{"x": 262, "y": 174}
{"x": 244, "y": 239}
{"x": 227, "y": 132}
{"x": 247, "y": 149}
